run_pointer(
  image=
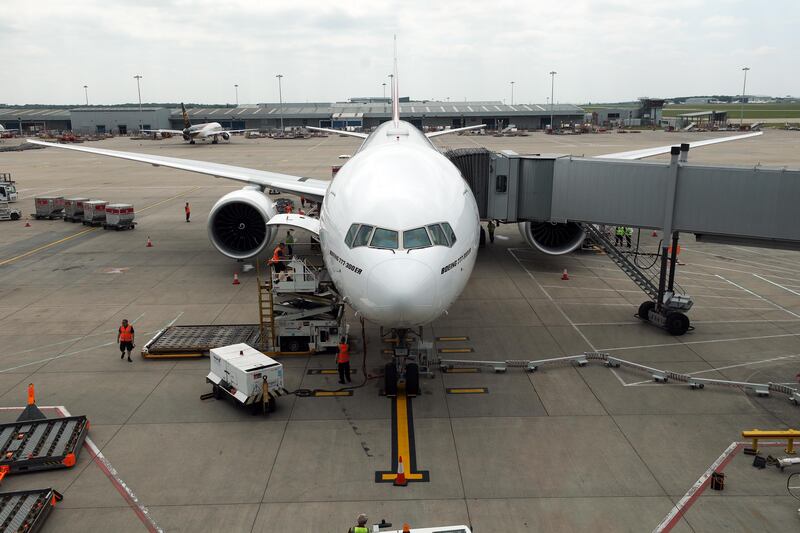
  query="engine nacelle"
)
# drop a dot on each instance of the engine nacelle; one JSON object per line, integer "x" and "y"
{"x": 237, "y": 224}
{"x": 553, "y": 238}
{"x": 226, "y": 136}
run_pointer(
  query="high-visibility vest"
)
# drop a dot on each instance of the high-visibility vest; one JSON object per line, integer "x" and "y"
{"x": 620, "y": 231}
{"x": 629, "y": 232}
{"x": 187, "y": 208}
{"x": 344, "y": 354}
{"x": 276, "y": 255}
{"x": 126, "y": 333}
{"x": 288, "y": 209}
{"x": 359, "y": 529}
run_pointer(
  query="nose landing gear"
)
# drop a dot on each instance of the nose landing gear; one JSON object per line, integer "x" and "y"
{"x": 410, "y": 359}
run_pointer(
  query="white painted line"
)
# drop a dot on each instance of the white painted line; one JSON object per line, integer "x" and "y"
{"x": 777, "y": 285}
{"x": 760, "y": 297}
{"x": 757, "y": 264}
{"x": 759, "y": 337}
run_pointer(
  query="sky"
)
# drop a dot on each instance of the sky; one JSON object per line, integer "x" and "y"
{"x": 197, "y": 50}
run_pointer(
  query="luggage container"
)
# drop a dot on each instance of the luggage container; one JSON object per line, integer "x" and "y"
{"x": 119, "y": 217}
{"x": 27, "y": 510}
{"x": 94, "y": 212}
{"x": 73, "y": 209}
{"x": 49, "y": 207}
{"x": 246, "y": 375}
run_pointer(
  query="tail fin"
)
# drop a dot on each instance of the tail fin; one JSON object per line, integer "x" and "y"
{"x": 186, "y": 121}
{"x": 395, "y": 89}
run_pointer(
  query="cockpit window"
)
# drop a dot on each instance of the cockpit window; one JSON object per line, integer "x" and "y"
{"x": 416, "y": 238}
{"x": 351, "y": 234}
{"x": 384, "y": 238}
{"x": 449, "y": 232}
{"x": 438, "y": 235}
{"x": 362, "y": 238}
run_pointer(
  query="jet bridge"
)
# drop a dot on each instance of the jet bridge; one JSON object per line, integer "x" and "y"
{"x": 567, "y": 196}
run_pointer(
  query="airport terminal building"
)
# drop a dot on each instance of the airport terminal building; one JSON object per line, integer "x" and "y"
{"x": 358, "y": 113}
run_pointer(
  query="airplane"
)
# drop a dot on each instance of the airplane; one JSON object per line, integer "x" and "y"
{"x": 4, "y": 130}
{"x": 399, "y": 226}
{"x": 192, "y": 133}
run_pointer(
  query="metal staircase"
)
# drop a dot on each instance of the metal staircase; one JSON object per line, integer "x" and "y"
{"x": 266, "y": 310}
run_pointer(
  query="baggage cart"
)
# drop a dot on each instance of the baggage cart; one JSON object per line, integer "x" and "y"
{"x": 119, "y": 217}
{"x": 73, "y": 209}
{"x": 26, "y": 510}
{"x": 94, "y": 212}
{"x": 50, "y": 207}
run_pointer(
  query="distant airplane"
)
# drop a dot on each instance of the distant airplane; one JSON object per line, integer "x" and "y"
{"x": 205, "y": 131}
{"x": 6, "y": 130}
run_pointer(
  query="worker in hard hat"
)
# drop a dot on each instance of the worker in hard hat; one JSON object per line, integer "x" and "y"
{"x": 125, "y": 335}
{"x": 343, "y": 361}
{"x": 619, "y": 233}
{"x": 628, "y": 236}
{"x": 491, "y": 226}
{"x": 361, "y": 526}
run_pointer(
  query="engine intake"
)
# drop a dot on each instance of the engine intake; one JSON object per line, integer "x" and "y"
{"x": 226, "y": 136}
{"x": 553, "y": 238}
{"x": 237, "y": 224}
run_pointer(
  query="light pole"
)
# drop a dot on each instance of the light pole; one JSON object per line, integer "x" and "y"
{"x": 512, "y": 93}
{"x": 552, "y": 85}
{"x": 744, "y": 90}
{"x": 280, "y": 98}
{"x": 86, "y": 91}
{"x": 384, "y": 91}
{"x": 236, "y": 86}
{"x": 139, "y": 90}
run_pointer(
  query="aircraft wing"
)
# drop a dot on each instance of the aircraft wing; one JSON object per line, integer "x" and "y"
{"x": 650, "y": 152}
{"x": 173, "y": 132}
{"x": 340, "y": 132}
{"x": 310, "y": 188}
{"x": 453, "y": 130}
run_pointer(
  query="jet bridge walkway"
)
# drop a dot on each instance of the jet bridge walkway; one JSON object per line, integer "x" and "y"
{"x": 750, "y": 206}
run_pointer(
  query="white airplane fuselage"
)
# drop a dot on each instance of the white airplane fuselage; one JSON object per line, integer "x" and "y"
{"x": 399, "y": 181}
{"x": 204, "y": 131}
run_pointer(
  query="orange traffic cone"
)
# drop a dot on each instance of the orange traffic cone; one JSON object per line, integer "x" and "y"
{"x": 27, "y": 224}
{"x": 655, "y": 234}
{"x": 400, "y": 480}
{"x": 149, "y": 242}
{"x": 406, "y": 528}
{"x": 565, "y": 275}
{"x": 236, "y": 278}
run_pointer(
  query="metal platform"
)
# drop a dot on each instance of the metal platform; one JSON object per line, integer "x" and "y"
{"x": 196, "y": 341}
{"x": 45, "y": 444}
{"x": 26, "y": 510}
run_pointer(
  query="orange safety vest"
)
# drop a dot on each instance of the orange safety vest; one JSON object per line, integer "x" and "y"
{"x": 187, "y": 209}
{"x": 344, "y": 354}
{"x": 276, "y": 256}
{"x": 126, "y": 334}
{"x": 288, "y": 209}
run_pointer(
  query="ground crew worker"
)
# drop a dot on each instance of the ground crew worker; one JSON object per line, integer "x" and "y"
{"x": 125, "y": 339}
{"x": 277, "y": 259}
{"x": 288, "y": 209}
{"x": 343, "y": 362}
{"x": 362, "y": 525}
{"x": 491, "y": 226}
{"x": 290, "y": 242}
{"x": 628, "y": 235}
{"x": 619, "y": 233}
{"x": 188, "y": 211}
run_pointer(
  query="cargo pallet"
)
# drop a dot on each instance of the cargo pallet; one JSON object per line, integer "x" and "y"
{"x": 196, "y": 341}
{"x": 26, "y": 510}
{"x": 46, "y": 444}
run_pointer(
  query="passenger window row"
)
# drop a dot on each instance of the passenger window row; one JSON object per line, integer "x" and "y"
{"x": 440, "y": 234}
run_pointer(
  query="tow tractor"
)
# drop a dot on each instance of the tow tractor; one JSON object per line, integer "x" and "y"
{"x": 8, "y": 188}
{"x": 9, "y": 213}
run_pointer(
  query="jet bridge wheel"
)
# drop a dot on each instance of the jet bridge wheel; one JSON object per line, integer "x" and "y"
{"x": 677, "y": 323}
{"x": 644, "y": 310}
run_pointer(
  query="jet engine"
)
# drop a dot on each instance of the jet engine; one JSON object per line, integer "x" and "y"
{"x": 237, "y": 224}
{"x": 226, "y": 136}
{"x": 186, "y": 136}
{"x": 553, "y": 238}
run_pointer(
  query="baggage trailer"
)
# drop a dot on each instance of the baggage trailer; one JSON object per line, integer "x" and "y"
{"x": 49, "y": 207}
{"x": 119, "y": 217}
{"x": 197, "y": 341}
{"x": 246, "y": 375}
{"x": 46, "y": 444}
{"x": 73, "y": 209}
{"x": 26, "y": 510}
{"x": 94, "y": 212}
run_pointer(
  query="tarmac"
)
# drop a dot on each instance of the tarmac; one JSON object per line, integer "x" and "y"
{"x": 559, "y": 450}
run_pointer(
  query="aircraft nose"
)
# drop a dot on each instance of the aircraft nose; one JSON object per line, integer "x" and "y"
{"x": 405, "y": 285}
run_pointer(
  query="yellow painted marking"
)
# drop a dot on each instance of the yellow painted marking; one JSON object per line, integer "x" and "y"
{"x": 451, "y": 339}
{"x": 403, "y": 442}
{"x": 455, "y": 350}
{"x": 479, "y": 390}
{"x": 388, "y": 351}
{"x": 333, "y": 393}
{"x": 328, "y": 371}
{"x": 392, "y": 477}
{"x": 84, "y": 232}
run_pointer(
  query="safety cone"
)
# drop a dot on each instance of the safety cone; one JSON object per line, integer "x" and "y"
{"x": 27, "y": 224}
{"x": 400, "y": 480}
{"x": 406, "y": 528}
{"x": 236, "y": 278}
{"x": 565, "y": 275}
{"x": 31, "y": 411}
{"x": 149, "y": 242}
{"x": 655, "y": 234}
